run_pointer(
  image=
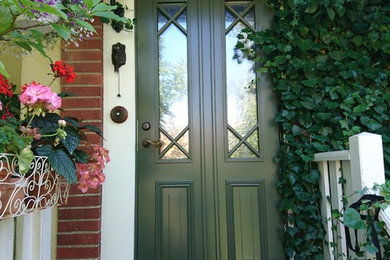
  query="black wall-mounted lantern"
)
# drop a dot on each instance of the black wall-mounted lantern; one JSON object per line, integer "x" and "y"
{"x": 118, "y": 55}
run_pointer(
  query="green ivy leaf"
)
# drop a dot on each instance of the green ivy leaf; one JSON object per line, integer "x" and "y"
{"x": 372, "y": 124}
{"x": 312, "y": 6}
{"x": 296, "y": 130}
{"x": 63, "y": 165}
{"x": 331, "y": 13}
{"x": 352, "y": 219}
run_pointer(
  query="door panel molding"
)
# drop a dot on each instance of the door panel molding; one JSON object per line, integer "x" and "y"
{"x": 246, "y": 219}
{"x": 174, "y": 220}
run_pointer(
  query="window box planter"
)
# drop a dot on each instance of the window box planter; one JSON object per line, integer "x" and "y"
{"x": 40, "y": 188}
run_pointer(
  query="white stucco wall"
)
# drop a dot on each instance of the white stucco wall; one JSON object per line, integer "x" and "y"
{"x": 118, "y": 204}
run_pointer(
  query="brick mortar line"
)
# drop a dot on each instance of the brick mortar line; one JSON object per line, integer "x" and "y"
{"x": 88, "y": 73}
{"x": 86, "y": 62}
{"x": 78, "y": 259}
{"x": 78, "y": 246}
{"x": 83, "y": 50}
{"x": 82, "y": 85}
{"x": 81, "y": 207}
{"x": 83, "y": 109}
{"x": 83, "y": 195}
{"x": 78, "y": 220}
{"x": 82, "y": 97}
{"x": 79, "y": 233}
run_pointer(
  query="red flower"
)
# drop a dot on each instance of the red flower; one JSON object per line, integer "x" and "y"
{"x": 61, "y": 69}
{"x": 5, "y": 86}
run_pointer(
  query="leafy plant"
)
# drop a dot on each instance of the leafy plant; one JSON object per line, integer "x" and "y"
{"x": 21, "y": 21}
{"x": 329, "y": 63}
{"x": 363, "y": 215}
{"x": 118, "y": 26}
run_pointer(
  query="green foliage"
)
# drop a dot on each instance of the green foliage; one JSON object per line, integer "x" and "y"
{"x": 61, "y": 151}
{"x": 363, "y": 218}
{"x": 329, "y": 62}
{"x": 12, "y": 142}
{"x": 21, "y": 21}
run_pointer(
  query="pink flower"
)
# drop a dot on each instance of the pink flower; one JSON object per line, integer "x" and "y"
{"x": 1, "y": 106}
{"x": 53, "y": 101}
{"x": 35, "y": 95}
{"x": 91, "y": 174}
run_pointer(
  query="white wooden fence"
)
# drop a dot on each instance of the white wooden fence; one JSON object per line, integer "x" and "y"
{"x": 29, "y": 237}
{"x": 362, "y": 166}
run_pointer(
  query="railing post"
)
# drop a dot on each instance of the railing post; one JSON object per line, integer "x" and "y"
{"x": 367, "y": 163}
{"x": 7, "y": 234}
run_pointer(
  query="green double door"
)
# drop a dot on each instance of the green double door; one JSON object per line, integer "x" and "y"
{"x": 206, "y": 135}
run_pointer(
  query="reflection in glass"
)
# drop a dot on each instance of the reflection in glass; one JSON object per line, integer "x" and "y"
{"x": 162, "y": 20}
{"x": 241, "y": 90}
{"x": 229, "y": 18}
{"x": 172, "y": 9}
{"x": 174, "y": 153}
{"x": 233, "y": 140}
{"x": 239, "y": 8}
{"x": 182, "y": 19}
{"x": 173, "y": 90}
{"x": 184, "y": 142}
{"x": 243, "y": 152}
{"x": 250, "y": 17}
{"x": 253, "y": 140}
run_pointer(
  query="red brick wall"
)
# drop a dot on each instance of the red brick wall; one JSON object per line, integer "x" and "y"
{"x": 79, "y": 221}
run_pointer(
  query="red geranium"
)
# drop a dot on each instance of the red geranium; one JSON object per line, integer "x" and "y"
{"x": 61, "y": 69}
{"x": 5, "y": 86}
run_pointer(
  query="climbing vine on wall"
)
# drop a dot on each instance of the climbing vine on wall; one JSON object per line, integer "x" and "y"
{"x": 330, "y": 65}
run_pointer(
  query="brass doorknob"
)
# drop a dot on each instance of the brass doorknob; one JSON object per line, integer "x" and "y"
{"x": 156, "y": 143}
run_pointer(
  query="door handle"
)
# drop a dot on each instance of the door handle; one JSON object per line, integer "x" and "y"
{"x": 156, "y": 143}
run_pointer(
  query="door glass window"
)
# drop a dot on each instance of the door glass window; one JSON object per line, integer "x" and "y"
{"x": 241, "y": 88}
{"x": 173, "y": 82}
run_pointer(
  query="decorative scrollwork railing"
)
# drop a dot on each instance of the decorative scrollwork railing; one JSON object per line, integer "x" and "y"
{"x": 40, "y": 188}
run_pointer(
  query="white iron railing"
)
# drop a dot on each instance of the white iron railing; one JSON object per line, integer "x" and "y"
{"x": 26, "y": 209}
{"x": 362, "y": 166}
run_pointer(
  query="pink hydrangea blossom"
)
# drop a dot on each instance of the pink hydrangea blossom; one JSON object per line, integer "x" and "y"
{"x": 91, "y": 174}
{"x": 34, "y": 95}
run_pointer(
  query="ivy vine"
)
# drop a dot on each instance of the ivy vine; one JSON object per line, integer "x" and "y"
{"x": 329, "y": 62}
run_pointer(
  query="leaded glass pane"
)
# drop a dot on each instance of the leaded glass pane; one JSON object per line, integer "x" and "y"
{"x": 243, "y": 152}
{"x": 240, "y": 84}
{"x": 229, "y": 18}
{"x": 250, "y": 17}
{"x": 253, "y": 140}
{"x": 232, "y": 140}
{"x": 171, "y": 9}
{"x": 184, "y": 142}
{"x": 162, "y": 20}
{"x": 174, "y": 153}
{"x": 173, "y": 90}
{"x": 165, "y": 141}
{"x": 238, "y": 7}
{"x": 182, "y": 19}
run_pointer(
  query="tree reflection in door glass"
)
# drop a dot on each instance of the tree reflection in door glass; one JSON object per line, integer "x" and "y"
{"x": 241, "y": 89}
{"x": 173, "y": 90}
